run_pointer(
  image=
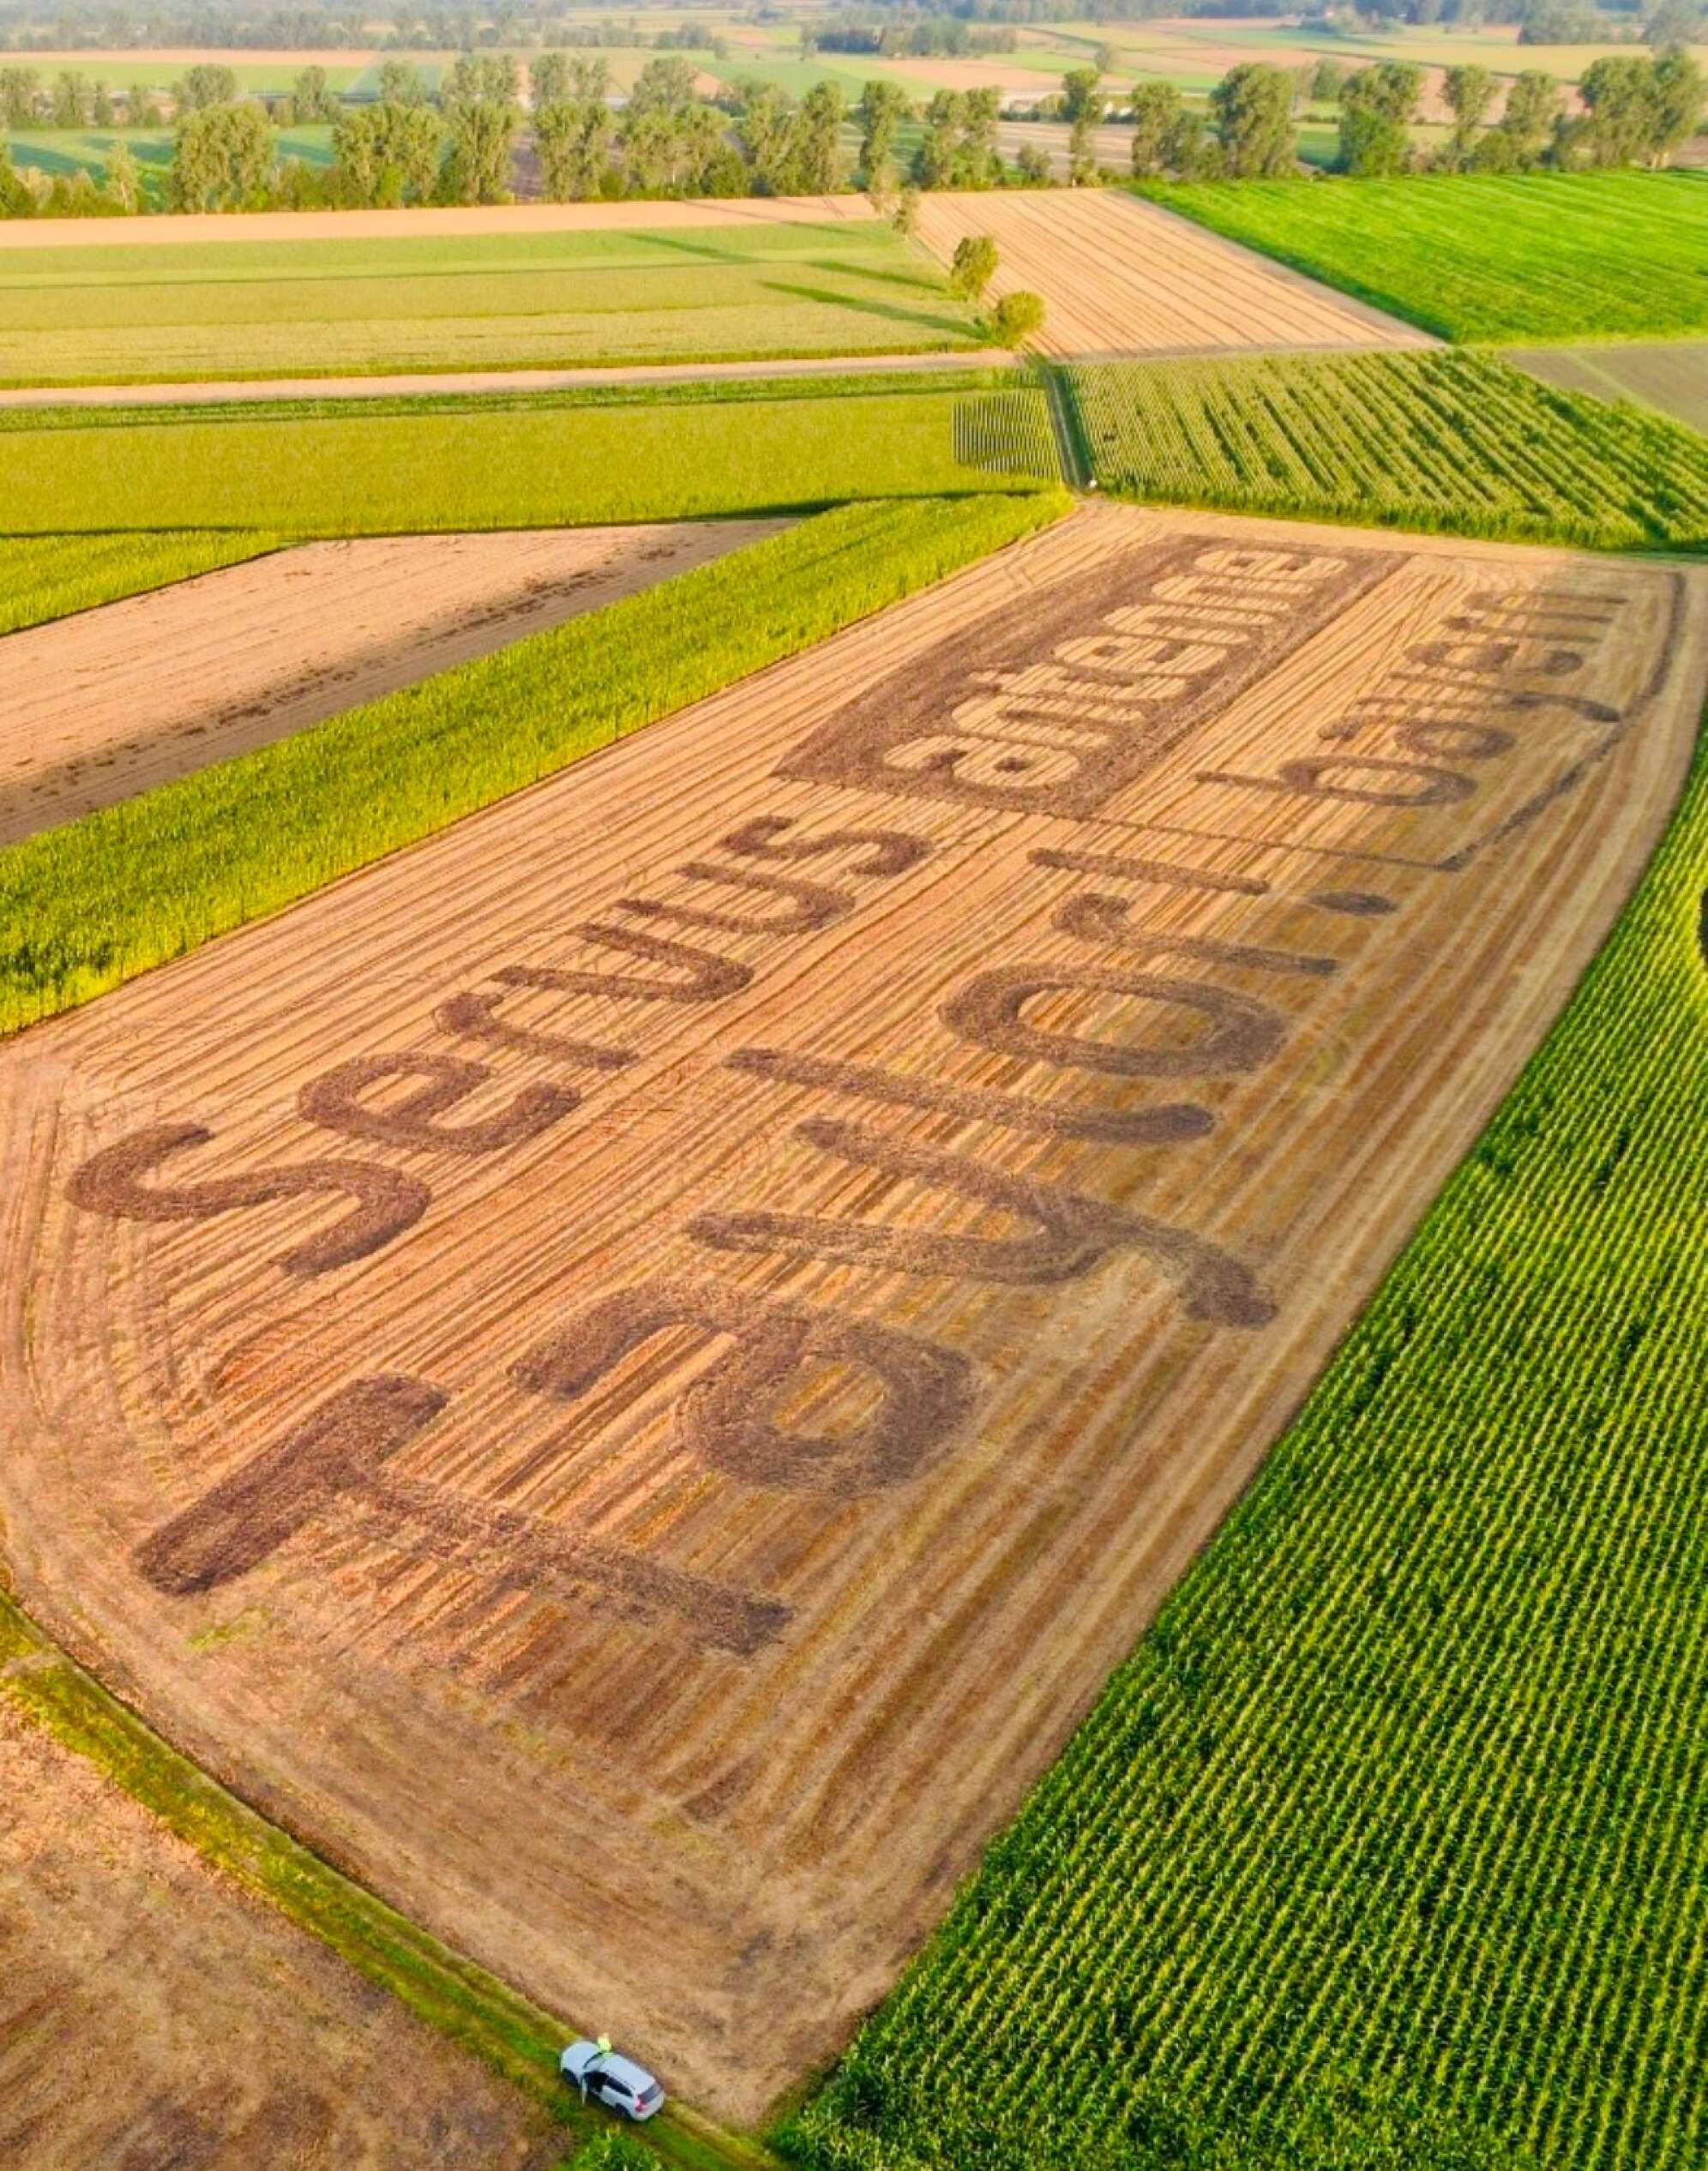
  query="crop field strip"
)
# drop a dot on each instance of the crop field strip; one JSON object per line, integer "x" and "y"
{"x": 345, "y": 306}
{"x": 1670, "y": 375}
{"x": 1119, "y": 277}
{"x": 96, "y": 900}
{"x": 1446, "y": 441}
{"x": 116, "y": 1941}
{"x": 1504, "y": 258}
{"x": 786, "y": 1386}
{"x": 251, "y": 654}
{"x": 48, "y": 576}
{"x": 408, "y": 466}
{"x": 1385, "y": 1846}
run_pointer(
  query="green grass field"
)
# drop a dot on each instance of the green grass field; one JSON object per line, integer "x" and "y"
{"x": 129, "y": 314}
{"x": 1440, "y": 440}
{"x": 91, "y": 904}
{"x": 1387, "y": 1850}
{"x": 1531, "y": 258}
{"x": 45, "y": 576}
{"x": 552, "y": 460}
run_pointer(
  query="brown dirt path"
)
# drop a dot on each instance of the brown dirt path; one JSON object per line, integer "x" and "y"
{"x": 630, "y": 1371}
{"x": 1119, "y": 276}
{"x": 151, "y": 2014}
{"x": 239, "y": 657}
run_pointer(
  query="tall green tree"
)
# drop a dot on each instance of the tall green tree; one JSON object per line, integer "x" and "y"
{"x": 1618, "y": 92}
{"x": 1681, "y": 93}
{"x": 209, "y": 83}
{"x": 386, "y": 155}
{"x": 1253, "y": 108}
{"x": 222, "y": 158}
{"x": 549, "y": 80}
{"x": 1082, "y": 104}
{"x": 1527, "y": 120}
{"x": 1155, "y": 107}
{"x": 141, "y": 107}
{"x": 479, "y": 101}
{"x": 574, "y": 134}
{"x": 765, "y": 130}
{"x": 1469, "y": 92}
{"x": 70, "y": 99}
{"x": 19, "y": 91}
{"x": 883, "y": 104}
{"x": 1377, "y": 106}
{"x": 312, "y": 96}
{"x": 980, "y": 162}
{"x": 401, "y": 83}
{"x": 816, "y": 149}
{"x": 973, "y": 265}
{"x": 934, "y": 162}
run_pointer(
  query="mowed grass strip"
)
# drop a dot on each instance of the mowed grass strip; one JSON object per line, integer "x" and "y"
{"x": 329, "y": 308}
{"x": 1489, "y": 257}
{"x": 45, "y": 576}
{"x": 1444, "y": 441}
{"x": 546, "y": 464}
{"x": 1386, "y": 1850}
{"x": 86, "y": 905}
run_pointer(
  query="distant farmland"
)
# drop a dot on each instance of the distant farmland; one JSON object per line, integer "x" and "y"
{"x": 1503, "y": 258}
{"x": 127, "y": 313}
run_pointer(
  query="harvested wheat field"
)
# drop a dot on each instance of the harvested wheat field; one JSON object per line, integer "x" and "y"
{"x": 631, "y": 1370}
{"x": 247, "y": 655}
{"x": 118, "y": 1945}
{"x": 1119, "y": 276}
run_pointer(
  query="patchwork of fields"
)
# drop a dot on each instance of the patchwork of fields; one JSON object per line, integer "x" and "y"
{"x": 248, "y": 656}
{"x": 471, "y": 1305}
{"x": 699, "y": 1166}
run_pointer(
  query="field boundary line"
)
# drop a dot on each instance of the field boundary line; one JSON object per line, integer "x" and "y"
{"x": 1070, "y": 452}
{"x": 461, "y": 1999}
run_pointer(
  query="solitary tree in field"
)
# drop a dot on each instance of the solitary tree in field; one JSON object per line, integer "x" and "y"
{"x": 1155, "y": 107}
{"x": 1469, "y": 93}
{"x": 973, "y": 265}
{"x": 1253, "y": 107}
{"x": 1017, "y": 318}
{"x": 881, "y": 106}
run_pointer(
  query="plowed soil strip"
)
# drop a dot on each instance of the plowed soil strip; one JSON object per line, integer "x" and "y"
{"x": 124, "y": 1961}
{"x": 631, "y": 1370}
{"x": 99, "y": 707}
{"x": 1119, "y": 276}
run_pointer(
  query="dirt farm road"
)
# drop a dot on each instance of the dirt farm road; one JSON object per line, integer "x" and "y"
{"x": 708, "y": 1303}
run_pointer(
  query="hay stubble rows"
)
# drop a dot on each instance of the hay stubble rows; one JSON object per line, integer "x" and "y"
{"x": 631, "y": 1371}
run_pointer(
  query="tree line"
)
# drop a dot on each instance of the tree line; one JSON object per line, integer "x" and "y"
{"x": 460, "y": 145}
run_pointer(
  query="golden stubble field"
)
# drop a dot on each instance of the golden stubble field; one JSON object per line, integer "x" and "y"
{"x": 1119, "y": 276}
{"x": 153, "y": 2018}
{"x": 631, "y": 1371}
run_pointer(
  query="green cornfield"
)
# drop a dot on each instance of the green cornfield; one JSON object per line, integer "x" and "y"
{"x": 1441, "y": 441}
{"x": 1492, "y": 257}
{"x": 1008, "y": 433}
{"x": 1387, "y": 1850}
